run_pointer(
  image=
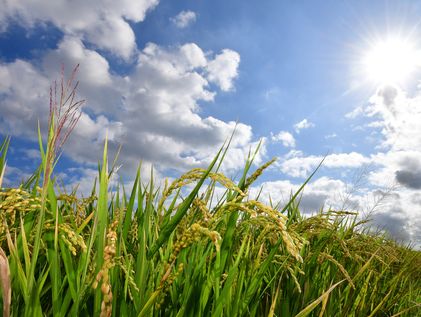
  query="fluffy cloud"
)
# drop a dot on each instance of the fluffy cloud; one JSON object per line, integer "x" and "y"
{"x": 82, "y": 179}
{"x": 395, "y": 117}
{"x": 285, "y": 137}
{"x": 323, "y": 192}
{"x": 165, "y": 90}
{"x": 24, "y": 98}
{"x": 13, "y": 175}
{"x": 184, "y": 19}
{"x": 303, "y": 124}
{"x": 400, "y": 217}
{"x": 102, "y": 23}
{"x": 223, "y": 69}
{"x": 399, "y": 116}
{"x": 154, "y": 111}
{"x": 297, "y": 165}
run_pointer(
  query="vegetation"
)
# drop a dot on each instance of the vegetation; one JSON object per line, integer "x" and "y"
{"x": 158, "y": 252}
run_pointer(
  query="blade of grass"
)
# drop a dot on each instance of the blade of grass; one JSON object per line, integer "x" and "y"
{"x": 102, "y": 222}
{"x": 314, "y": 304}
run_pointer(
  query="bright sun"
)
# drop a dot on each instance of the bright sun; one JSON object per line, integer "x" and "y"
{"x": 391, "y": 61}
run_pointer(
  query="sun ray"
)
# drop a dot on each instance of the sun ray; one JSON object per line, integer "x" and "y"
{"x": 391, "y": 61}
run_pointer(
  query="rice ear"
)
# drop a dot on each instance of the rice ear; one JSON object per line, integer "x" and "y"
{"x": 5, "y": 283}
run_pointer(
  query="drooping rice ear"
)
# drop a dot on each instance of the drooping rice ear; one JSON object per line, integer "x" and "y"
{"x": 5, "y": 283}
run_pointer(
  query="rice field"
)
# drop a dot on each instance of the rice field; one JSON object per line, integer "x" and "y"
{"x": 170, "y": 251}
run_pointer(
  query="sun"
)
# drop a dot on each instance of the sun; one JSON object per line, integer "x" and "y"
{"x": 391, "y": 61}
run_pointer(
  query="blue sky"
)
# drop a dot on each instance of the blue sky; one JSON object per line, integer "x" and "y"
{"x": 169, "y": 80}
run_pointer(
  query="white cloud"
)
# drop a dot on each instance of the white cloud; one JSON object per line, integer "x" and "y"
{"x": 397, "y": 168}
{"x": 395, "y": 118}
{"x": 321, "y": 192}
{"x": 285, "y": 137}
{"x": 153, "y": 111}
{"x": 400, "y": 116}
{"x": 355, "y": 113}
{"x": 184, "y": 19}
{"x": 100, "y": 22}
{"x": 223, "y": 69}
{"x": 156, "y": 106}
{"x": 398, "y": 213}
{"x": 94, "y": 70}
{"x": 14, "y": 176}
{"x": 82, "y": 179}
{"x": 24, "y": 98}
{"x": 300, "y": 166}
{"x": 303, "y": 124}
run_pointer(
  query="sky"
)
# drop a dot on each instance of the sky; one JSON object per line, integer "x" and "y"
{"x": 169, "y": 81}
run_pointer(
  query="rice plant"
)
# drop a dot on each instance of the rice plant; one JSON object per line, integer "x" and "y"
{"x": 173, "y": 252}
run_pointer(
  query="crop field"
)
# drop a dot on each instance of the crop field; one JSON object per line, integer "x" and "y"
{"x": 169, "y": 251}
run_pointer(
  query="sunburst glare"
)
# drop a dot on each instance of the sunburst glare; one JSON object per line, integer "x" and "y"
{"x": 391, "y": 61}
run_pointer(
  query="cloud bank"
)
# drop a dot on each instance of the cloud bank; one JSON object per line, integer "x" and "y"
{"x": 105, "y": 24}
{"x": 154, "y": 110}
